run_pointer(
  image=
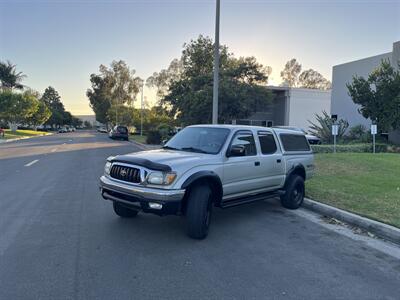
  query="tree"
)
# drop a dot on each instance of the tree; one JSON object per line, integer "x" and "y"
{"x": 312, "y": 79}
{"x": 40, "y": 116}
{"x": 76, "y": 122}
{"x": 114, "y": 86}
{"x": 126, "y": 115}
{"x": 66, "y": 118}
{"x": 87, "y": 124}
{"x": 379, "y": 96}
{"x": 53, "y": 101}
{"x": 290, "y": 73}
{"x": 188, "y": 93}
{"x": 100, "y": 97}
{"x": 9, "y": 77}
{"x": 17, "y": 108}
{"x": 162, "y": 80}
{"x": 323, "y": 127}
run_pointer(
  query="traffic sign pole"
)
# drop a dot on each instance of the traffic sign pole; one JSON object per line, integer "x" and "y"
{"x": 335, "y": 131}
{"x": 374, "y": 131}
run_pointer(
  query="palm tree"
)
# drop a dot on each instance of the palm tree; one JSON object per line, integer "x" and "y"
{"x": 9, "y": 77}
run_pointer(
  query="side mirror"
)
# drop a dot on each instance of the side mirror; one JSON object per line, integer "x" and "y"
{"x": 237, "y": 150}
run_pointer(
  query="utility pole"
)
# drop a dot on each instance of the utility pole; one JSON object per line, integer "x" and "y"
{"x": 216, "y": 66}
{"x": 141, "y": 111}
{"x": 116, "y": 113}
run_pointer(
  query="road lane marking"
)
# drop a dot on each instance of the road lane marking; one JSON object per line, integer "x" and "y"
{"x": 31, "y": 163}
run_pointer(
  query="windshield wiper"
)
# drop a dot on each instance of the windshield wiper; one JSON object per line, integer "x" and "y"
{"x": 192, "y": 149}
{"x": 170, "y": 148}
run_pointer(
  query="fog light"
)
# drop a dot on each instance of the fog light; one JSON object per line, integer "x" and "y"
{"x": 155, "y": 205}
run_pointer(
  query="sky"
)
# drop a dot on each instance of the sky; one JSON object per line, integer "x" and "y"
{"x": 60, "y": 43}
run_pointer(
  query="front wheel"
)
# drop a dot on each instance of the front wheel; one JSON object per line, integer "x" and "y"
{"x": 198, "y": 212}
{"x": 294, "y": 192}
{"x": 123, "y": 211}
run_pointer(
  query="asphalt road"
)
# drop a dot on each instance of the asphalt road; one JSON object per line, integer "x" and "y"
{"x": 60, "y": 240}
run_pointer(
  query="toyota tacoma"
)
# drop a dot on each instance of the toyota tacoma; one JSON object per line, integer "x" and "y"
{"x": 207, "y": 166}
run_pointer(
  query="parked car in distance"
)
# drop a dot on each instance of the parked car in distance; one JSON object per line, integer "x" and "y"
{"x": 206, "y": 166}
{"x": 312, "y": 139}
{"x": 119, "y": 132}
{"x": 62, "y": 130}
{"x": 102, "y": 129}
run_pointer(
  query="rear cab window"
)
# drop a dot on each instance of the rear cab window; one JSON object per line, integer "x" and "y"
{"x": 294, "y": 142}
{"x": 267, "y": 142}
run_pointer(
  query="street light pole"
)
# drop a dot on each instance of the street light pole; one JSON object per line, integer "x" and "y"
{"x": 141, "y": 111}
{"x": 216, "y": 66}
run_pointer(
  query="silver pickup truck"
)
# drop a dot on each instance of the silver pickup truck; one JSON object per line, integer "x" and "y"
{"x": 206, "y": 166}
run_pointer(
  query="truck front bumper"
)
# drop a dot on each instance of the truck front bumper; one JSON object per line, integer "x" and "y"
{"x": 157, "y": 201}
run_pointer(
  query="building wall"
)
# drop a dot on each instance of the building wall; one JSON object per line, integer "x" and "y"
{"x": 280, "y": 109}
{"x": 342, "y": 104}
{"x": 304, "y": 104}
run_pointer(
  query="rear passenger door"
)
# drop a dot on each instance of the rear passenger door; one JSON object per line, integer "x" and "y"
{"x": 241, "y": 173}
{"x": 271, "y": 160}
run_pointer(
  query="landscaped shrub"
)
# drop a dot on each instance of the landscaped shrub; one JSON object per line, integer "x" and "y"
{"x": 164, "y": 130}
{"x": 356, "y": 132}
{"x": 323, "y": 127}
{"x": 153, "y": 137}
{"x": 359, "y": 148}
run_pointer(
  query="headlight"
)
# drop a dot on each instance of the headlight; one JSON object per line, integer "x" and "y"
{"x": 107, "y": 168}
{"x": 161, "y": 178}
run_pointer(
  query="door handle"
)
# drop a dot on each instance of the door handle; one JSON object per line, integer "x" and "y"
{"x": 257, "y": 163}
{"x": 278, "y": 160}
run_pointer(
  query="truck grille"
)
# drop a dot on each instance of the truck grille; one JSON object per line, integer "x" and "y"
{"x": 125, "y": 173}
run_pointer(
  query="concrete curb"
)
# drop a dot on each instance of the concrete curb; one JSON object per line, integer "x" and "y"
{"x": 382, "y": 230}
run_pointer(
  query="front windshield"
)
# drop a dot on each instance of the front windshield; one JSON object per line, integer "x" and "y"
{"x": 199, "y": 139}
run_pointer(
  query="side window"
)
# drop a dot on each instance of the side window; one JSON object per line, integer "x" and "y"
{"x": 247, "y": 140}
{"x": 294, "y": 142}
{"x": 267, "y": 142}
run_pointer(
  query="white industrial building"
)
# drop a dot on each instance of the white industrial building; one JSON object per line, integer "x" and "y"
{"x": 291, "y": 107}
{"x": 342, "y": 105}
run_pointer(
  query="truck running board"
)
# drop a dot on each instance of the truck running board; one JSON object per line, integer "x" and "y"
{"x": 253, "y": 198}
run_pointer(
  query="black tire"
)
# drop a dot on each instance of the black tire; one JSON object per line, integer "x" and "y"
{"x": 123, "y": 211}
{"x": 294, "y": 192}
{"x": 198, "y": 211}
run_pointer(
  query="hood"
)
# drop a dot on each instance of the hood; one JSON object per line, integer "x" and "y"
{"x": 163, "y": 159}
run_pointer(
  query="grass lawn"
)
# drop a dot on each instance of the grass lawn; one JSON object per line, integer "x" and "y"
{"x": 363, "y": 183}
{"x": 138, "y": 138}
{"x": 22, "y": 133}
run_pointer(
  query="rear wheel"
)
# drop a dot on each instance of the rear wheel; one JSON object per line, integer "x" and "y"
{"x": 294, "y": 192}
{"x": 198, "y": 212}
{"x": 123, "y": 211}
